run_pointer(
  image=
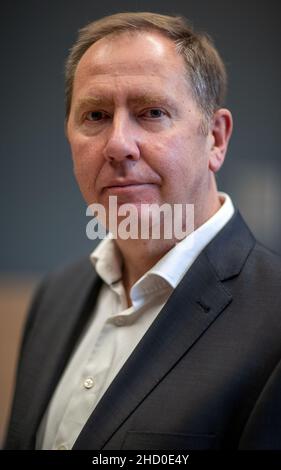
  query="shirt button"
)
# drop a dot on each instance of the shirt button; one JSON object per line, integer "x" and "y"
{"x": 62, "y": 447}
{"x": 119, "y": 321}
{"x": 89, "y": 382}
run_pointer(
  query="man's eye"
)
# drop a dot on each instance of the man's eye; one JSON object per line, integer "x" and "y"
{"x": 95, "y": 116}
{"x": 154, "y": 113}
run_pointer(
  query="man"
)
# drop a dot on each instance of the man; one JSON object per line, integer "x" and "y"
{"x": 155, "y": 343}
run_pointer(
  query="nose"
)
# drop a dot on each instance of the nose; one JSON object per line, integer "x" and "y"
{"x": 121, "y": 144}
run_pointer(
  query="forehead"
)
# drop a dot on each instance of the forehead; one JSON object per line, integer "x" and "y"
{"x": 143, "y": 58}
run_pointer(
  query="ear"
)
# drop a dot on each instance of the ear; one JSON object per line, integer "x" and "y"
{"x": 220, "y": 130}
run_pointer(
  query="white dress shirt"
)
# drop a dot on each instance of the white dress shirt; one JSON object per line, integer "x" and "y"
{"x": 114, "y": 330}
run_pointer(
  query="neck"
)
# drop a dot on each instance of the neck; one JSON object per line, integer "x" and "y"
{"x": 139, "y": 256}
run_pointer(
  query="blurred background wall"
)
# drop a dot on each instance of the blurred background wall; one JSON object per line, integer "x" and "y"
{"x": 42, "y": 213}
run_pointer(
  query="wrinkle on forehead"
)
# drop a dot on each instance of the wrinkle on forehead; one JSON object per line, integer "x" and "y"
{"x": 119, "y": 69}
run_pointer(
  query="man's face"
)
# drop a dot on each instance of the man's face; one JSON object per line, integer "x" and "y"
{"x": 134, "y": 127}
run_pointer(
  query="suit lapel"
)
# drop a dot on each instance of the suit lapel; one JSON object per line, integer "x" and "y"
{"x": 194, "y": 305}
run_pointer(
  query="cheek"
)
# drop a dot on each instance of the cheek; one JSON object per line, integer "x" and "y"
{"x": 182, "y": 162}
{"x": 161, "y": 153}
{"x": 86, "y": 166}
{"x": 188, "y": 154}
{"x": 84, "y": 154}
{"x": 170, "y": 155}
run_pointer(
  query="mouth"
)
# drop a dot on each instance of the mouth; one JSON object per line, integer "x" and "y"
{"x": 128, "y": 185}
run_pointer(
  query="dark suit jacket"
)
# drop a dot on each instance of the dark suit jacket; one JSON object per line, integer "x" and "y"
{"x": 196, "y": 378}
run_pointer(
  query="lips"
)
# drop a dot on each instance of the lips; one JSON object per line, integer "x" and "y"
{"x": 124, "y": 183}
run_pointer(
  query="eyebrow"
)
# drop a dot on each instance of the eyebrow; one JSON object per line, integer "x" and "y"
{"x": 92, "y": 101}
{"x": 144, "y": 99}
{"x": 149, "y": 99}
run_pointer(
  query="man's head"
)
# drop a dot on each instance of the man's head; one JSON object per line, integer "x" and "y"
{"x": 144, "y": 120}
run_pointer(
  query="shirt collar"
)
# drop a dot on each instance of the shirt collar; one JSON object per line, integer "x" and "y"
{"x": 107, "y": 260}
